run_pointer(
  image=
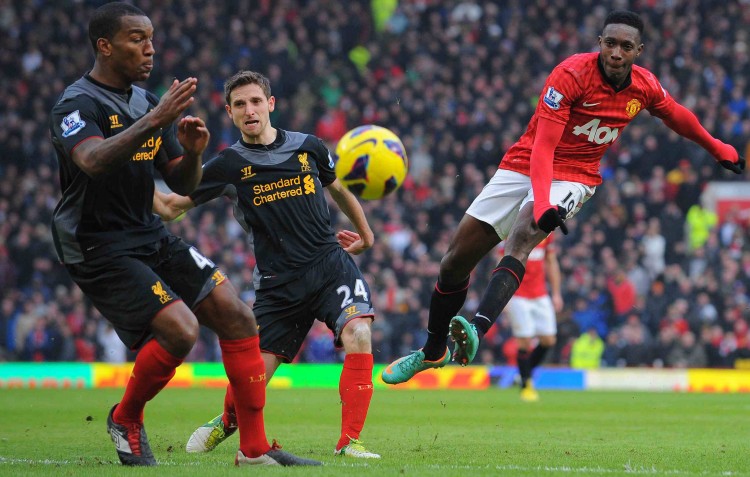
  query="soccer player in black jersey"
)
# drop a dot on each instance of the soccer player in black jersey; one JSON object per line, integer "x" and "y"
{"x": 276, "y": 179}
{"x": 110, "y": 137}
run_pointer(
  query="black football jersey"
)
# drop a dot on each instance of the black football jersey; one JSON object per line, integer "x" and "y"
{"x": 278, "y": 197}
{"x": 110, "y": 213}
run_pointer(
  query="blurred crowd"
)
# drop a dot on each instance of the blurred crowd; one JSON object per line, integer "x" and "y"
{"x": 652, "y": 275}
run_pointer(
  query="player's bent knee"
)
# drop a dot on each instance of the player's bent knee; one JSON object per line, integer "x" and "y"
{"x": 356, "y": 336}
{"x": 226, "y": 314}
{"x": 176, "y": 329}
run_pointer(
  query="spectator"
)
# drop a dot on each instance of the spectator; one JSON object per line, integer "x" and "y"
{"x": 587, "y": 351}
{"x": 686, "y": 353}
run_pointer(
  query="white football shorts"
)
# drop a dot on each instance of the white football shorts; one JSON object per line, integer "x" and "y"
{"x": 530, "y": 317}
{"x": 508, "y": 191}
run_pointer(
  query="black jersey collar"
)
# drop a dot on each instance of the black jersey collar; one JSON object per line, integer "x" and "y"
{"x": 280, "y": 138}
{"x": 124, "y": 92}
{"x": 628, "y": 81}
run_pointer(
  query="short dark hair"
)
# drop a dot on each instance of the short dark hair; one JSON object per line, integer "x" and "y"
{"x": 626, "y": 17}
{"x": 247, "y": 77}
{"x": 105, "y": 22}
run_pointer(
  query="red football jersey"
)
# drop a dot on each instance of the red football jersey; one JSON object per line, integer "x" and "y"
{"x": 534, "y": 284}
{"x": 594, "y": 113}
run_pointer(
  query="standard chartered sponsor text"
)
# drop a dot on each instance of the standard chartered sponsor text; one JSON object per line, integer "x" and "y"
{"x": 291, "y": 188}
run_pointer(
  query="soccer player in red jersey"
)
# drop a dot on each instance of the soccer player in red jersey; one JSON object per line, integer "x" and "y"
{"x": 532, "y": 312}
{"x": 544, "y": 179}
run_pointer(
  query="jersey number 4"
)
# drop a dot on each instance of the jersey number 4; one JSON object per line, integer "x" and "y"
{"x": 359, "y": 290}
{"x": 200, "y": 260}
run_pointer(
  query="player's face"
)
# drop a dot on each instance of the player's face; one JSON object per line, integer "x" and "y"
{"x": 620, "y": 45}
{"x": 131, "y": 51}
{"x": 250, "y": 111}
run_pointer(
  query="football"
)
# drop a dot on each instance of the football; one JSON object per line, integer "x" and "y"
{"x": 371, "y": 161}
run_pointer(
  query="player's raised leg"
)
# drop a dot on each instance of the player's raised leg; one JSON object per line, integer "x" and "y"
{"x": 472, "y": 241}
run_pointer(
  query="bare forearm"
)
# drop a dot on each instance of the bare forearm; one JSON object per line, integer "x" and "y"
{"x": 353, "y": 210}
{"x": 171, "y": 206}
{"x": 97, "y": 157}
{"x": 185, "y": 175}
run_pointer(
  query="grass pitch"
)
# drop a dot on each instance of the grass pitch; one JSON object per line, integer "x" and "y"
{"x": 435, "y": 433}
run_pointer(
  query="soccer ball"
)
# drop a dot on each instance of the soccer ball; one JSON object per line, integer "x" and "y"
{"x": 371, "y": 161}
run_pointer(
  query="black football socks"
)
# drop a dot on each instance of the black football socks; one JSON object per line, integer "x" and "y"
{"x": 445, "y": 302}
{"x": 504, "y": 282}
{"x": 537, "y": 356}
{"x": 524, "y": 366}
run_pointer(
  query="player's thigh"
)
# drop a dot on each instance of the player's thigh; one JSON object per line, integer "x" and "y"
{"x": 569, "y": 195}
{"x": 544, "y": 317}
{"x": 500, "y": 201}
{"x": 284, "y": 316}
{"x": 343, "y": 296}
{"x": 188, "y": 272}
{"x": 127, "y": 292}
{"x": 519, "y": 314}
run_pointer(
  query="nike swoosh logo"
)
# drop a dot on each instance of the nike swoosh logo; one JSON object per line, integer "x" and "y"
{"x": 588, "y": 105}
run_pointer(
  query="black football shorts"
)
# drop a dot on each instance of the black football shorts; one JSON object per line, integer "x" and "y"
{"x": 333, "y": 291}
{"x": 130, "y": 289}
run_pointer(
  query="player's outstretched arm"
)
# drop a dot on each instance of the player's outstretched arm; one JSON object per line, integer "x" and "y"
{"x": 354, "y": 243}
{"x": 170, "y": 206}
{"x": 682, "y": 121}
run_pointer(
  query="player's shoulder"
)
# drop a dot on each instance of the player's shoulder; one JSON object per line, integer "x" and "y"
{"x": 579, "y": 64}
{"x": 577, "y": 71}
{"x": 81, "y": 92}
{"x": 301, "y": 138}
{"x": 644, "y": 78}
{"x": 306, "y": 142}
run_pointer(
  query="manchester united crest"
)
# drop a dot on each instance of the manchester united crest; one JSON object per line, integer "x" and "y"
{"x": 633, "y": 107}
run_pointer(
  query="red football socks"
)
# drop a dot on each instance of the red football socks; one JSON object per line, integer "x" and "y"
{"x": 154, "y": 367}
{"x": 355, "y": 389}
{"x": 247, "y": 377}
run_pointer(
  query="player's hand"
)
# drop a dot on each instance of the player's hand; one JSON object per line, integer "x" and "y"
{"x": 193, "y": 134}
{"x": 552, "y": 218}
{"x": 728, "y": 157}
{"x": 351, "y": 242}
{"x": 177, "y": 99}
{"x": 736, "y": 167}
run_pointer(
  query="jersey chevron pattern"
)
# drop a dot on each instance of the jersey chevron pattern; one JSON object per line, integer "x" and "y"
{"x": 278, "y": 197}
{"x": 594, "y": 113}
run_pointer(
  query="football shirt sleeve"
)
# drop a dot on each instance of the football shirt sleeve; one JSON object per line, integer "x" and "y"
{"x": 214, "y": 183}
{"x": 558, "y": 95}
{"x": 324, "y": 160}
{"x": 75, "y": 120}
{"x": 681, "y": 120}
{"x": 548, "y": 136}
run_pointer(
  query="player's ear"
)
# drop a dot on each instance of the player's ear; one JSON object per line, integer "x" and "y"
{"x": 104, "y": 47}
{"x": 271, "y": 103}
{"x": 640, "y": 50}
{"x": 228, "y": 110}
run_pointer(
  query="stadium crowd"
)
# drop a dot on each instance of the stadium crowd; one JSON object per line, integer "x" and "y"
{"x": 648, "y": 267}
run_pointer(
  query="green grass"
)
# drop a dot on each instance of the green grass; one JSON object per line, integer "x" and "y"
{"x": 62, "y": 432}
